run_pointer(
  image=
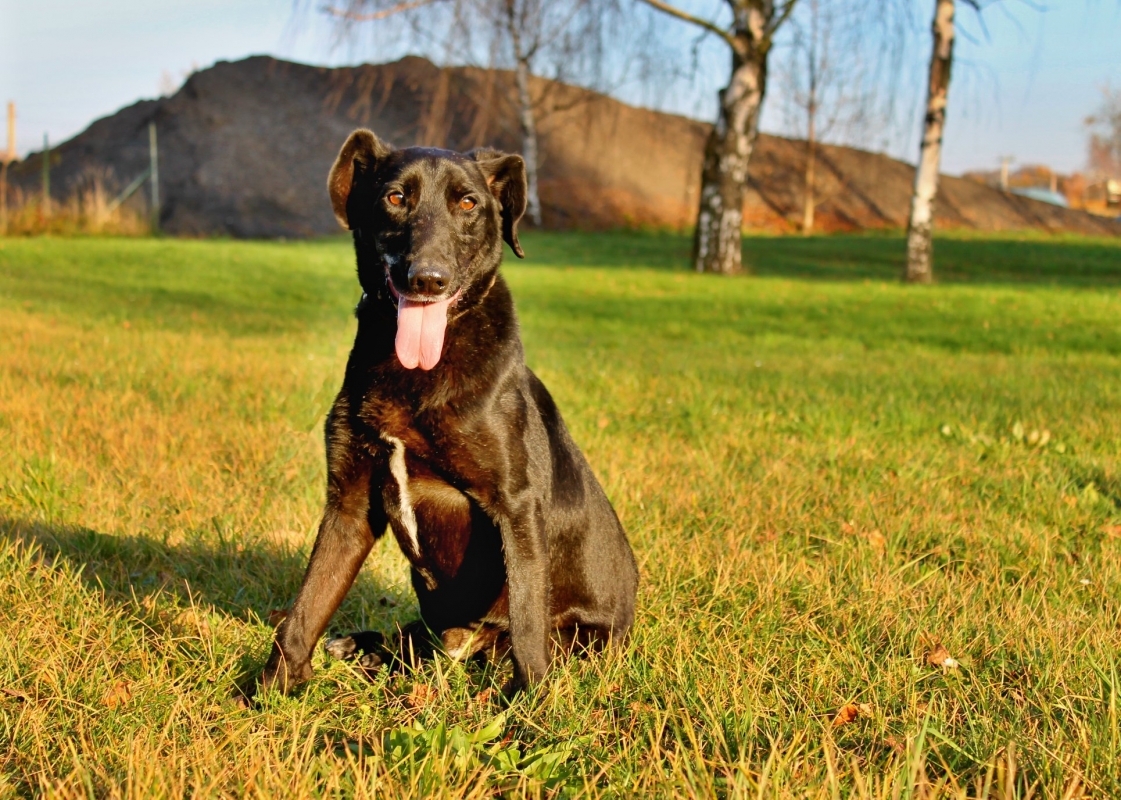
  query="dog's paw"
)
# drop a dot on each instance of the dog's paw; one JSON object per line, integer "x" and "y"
{"x": 355, "y": 645}
{"x": 365, "y": 648}
{"x": 281, "y": 677}
{"x": 371, "y": 663}
{"x": 342, "y": 648}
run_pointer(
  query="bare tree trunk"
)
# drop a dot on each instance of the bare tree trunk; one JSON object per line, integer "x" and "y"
{"x": 717, "y": 241}
{"x": 4, "y": 197}
{"x": 920, "y": 228}
{"x": 525, "y": 116}
{"x": 529, "y": 143}
{"x": 811, "y": 157}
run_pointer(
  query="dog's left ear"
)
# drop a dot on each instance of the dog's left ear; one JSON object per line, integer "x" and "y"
{"x": 360, "y": 153}
{"x": 505, "y": 176}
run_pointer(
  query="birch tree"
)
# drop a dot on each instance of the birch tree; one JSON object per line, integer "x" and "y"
{"x": 814, "y": 48}
{"x": 828, "y": 83}
{"x": 920, "y": 223}
{"x": 749, "y": 36}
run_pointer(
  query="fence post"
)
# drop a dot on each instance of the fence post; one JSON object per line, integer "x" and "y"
{"x": 154, "y": 176}
{"x": 9, "y": 157}
{"x": 46, "y": 176}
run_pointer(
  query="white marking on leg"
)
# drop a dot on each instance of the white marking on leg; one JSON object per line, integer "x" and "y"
{"x": 404, "y": 501}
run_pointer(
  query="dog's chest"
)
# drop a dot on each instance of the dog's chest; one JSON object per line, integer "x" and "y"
{"x": 430, "y": 519}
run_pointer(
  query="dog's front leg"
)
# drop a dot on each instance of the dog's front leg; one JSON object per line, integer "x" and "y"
{"x": 525, "y": 547}
{"x": 344, "y": 540}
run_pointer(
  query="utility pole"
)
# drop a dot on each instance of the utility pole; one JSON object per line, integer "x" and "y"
{"x": 9, "y": 157}
{"x": 46, "y": 176}
{"x": 154, "y": 176}
{"x": 1005, "y": 162}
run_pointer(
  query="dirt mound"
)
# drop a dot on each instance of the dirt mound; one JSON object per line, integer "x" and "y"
{"x": 245, "y": 148}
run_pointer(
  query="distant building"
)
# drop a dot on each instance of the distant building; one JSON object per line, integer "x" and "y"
{"x": 1104, "y": 196}
{"x": 1097, "y": 195}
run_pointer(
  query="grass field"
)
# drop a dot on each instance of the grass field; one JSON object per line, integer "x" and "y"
{"x": 833, "y": 484}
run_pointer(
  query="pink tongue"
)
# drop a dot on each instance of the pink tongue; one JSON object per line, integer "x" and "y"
{"x": 420, "y": 332}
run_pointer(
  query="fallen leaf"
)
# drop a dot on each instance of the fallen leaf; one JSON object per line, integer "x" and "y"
{"x": 277, "y": 615}
{"x": 119, "y": 694}
{"x": 484, "y": 697}
{"x": 15, "y": 694}
{"x": 1111, "y": 530}
{"x": 421, "y": 695}
{"x": 638, "y": 707}
{"x": 602, "y": 423}
{"x": 850, "y": 712}
{"x": 940, "y": 657}
{"x": 848, "y": 528}
{"x": 877, "y": 540}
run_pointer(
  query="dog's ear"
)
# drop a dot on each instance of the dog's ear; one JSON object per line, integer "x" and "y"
{"x": 361, "y": 153}
{"x": 505, "y": 176}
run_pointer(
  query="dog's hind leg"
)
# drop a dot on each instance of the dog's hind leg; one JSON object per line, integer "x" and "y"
{"x": 462, "y": 644}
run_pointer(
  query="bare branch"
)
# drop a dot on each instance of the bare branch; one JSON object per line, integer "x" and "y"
{"x": 352, "y": 16}
{"x": 778, "y": 21}
{"x": 703, "y": 23}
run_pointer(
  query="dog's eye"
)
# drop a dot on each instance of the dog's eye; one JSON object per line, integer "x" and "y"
{"x": 467, "y": 203}
{"x": 395, "y": 198}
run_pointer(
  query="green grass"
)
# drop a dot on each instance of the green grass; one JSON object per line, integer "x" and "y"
{"x": 824, "y": 474}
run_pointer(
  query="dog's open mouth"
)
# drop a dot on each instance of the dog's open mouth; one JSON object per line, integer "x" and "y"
{"x": 420, "y": 329}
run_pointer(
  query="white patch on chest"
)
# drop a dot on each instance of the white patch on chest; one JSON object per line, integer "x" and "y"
{"x": 404, "y": 501}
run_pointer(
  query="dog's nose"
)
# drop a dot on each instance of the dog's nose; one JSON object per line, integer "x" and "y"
{"x": 429, "y": 279}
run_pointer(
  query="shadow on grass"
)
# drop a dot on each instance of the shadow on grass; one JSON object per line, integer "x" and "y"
{"x": 243, "y": 577}
{"x": 1001, "y": 259}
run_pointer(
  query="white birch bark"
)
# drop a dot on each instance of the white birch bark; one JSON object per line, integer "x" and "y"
{"x": 718, "y": 239}
{"x": 920, "y": 227}
{"x": 526, "y": 119}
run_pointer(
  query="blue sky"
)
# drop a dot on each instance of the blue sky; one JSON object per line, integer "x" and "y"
{"x": 1022, "y": 90}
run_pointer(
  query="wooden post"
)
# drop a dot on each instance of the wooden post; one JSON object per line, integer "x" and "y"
{"x": 46, "y": 176}
{"x": 154, "y": 176}
{"x": 9, "y": 157}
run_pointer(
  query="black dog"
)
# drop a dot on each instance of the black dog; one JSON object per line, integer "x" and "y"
{"x": 466, "y": 458}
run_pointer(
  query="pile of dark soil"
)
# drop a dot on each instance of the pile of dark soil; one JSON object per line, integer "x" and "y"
{"x": 245, "y": 148}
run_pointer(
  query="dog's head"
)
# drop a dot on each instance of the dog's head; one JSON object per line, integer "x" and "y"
{"x": 429, "y": 225}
